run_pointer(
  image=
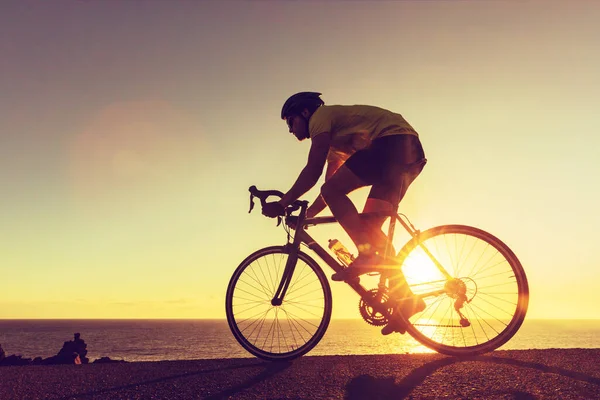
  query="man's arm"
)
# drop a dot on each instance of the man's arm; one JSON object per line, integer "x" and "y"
{"x": 312, "y": 171}
{"x": 334, "y": 162}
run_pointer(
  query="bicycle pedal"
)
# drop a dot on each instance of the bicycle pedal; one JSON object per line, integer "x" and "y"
{"x": 394, "y": 326}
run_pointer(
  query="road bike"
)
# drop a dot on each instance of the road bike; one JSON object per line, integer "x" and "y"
{"x": 278, "y": 301}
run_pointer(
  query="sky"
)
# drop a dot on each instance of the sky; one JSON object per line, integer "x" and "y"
{"x": 130, "y": 132}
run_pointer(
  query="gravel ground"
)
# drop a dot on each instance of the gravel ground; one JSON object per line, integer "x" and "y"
{"x": 516, "y": 374}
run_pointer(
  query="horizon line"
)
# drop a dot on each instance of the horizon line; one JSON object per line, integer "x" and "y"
{"x": 225, "y": 319}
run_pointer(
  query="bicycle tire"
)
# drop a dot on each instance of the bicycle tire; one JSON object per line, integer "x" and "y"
{"x": 252, "y": 287}
{"x": 510, "y": 297}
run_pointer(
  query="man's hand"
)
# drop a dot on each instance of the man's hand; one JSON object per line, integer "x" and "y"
{"x": 273, "y": 209}
{"x": 292, "y": 221}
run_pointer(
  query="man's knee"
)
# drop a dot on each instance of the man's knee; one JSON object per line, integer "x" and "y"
{"x": 377, "y": 205}
{"x": 330, "y": 191}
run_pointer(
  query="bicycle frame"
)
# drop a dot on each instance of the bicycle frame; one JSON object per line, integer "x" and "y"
{"x": 301, "y": 236}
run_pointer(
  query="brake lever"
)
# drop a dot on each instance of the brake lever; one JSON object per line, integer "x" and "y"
{"x": 251, "y": 203}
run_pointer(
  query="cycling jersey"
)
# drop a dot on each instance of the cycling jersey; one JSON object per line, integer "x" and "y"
{"x": 353, "y": 128}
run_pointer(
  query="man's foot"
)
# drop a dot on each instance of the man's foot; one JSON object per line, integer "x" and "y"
{"x": 407, "y": 308}
{"x": 362, "y": 265}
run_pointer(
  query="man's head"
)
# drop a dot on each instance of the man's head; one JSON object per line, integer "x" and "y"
{"x": 296, "y": 111}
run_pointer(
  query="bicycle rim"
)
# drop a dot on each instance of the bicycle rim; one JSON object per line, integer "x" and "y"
{"x": 485, "y": 273}
{"x": 278, "y": 332}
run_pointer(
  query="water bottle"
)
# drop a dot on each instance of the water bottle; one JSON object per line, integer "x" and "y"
{"x": 341, "y": 252}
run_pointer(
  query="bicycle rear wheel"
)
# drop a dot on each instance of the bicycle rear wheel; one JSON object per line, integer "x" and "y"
{"x": 281, "y": 332}
{"x": 484, "y": 302}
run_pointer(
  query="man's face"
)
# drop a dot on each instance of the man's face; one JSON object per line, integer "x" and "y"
{"x": 298, "y": 127}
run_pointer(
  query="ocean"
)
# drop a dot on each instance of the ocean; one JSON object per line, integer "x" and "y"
{"x": 153, "y": 340}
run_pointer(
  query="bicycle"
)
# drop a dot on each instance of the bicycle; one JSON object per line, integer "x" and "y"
{"x": 279, "y": 303}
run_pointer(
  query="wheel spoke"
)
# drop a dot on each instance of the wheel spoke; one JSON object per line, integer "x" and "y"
{"x": 490, "y": 267}
{"x": 262, "y": 299}
{"x": 267, "y": 290}
{"x": 255, "y": 315}
{"x": 288, "y": 302}
{"x": 512, "y": 303}
{"x": 476, "y": 263}
{"x": 300, "y": 295}
{"x": 300, "y": 288}
{"x": 259, "y": 325}
{"x": 459, "y": 269}
{"x": 241, "y": 310}
{"x": 305, "y": 311}
{"x": 295, "y": 324}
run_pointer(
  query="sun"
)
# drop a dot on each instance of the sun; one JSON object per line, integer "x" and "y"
{"x": 421, "y": 273}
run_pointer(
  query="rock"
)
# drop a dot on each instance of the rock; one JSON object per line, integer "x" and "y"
{"x": 106, "y": 360}
{"x": 15, "y": 360}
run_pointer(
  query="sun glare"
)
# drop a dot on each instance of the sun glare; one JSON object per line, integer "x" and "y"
{"x": 421, "y": 273}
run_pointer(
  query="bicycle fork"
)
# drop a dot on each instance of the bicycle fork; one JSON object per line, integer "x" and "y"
{"x": 286, "y": 277}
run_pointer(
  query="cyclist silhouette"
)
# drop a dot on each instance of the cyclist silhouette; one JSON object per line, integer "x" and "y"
{"x": 362, "y": 146}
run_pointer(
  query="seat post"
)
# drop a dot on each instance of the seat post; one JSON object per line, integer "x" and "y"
{"x": 391, "y": 229}
{"x": 388, "y": 246}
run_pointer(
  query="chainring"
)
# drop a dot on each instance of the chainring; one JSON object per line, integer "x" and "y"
{"x": 371, "y": 316}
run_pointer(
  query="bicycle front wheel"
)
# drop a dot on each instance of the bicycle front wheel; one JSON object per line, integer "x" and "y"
{"x": 278, "y": 332}
{"x": 481, "y": 302}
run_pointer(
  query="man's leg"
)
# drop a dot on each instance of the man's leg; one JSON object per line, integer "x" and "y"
{"x": 407, "y": 304}
{"x": 388, "y": 196}
{"x": 379, "y": 238}
{"x": 335, "y": 193}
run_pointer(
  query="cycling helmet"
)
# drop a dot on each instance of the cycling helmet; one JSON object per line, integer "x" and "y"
{"x": 299, "y": 101}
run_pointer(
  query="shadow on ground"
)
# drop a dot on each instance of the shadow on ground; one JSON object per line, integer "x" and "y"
{"x": 366, "y": 386}
{"x": 269, "y": 370}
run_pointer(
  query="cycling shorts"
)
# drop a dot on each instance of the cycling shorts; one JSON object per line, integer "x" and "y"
{"x": 390, "y": 164}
